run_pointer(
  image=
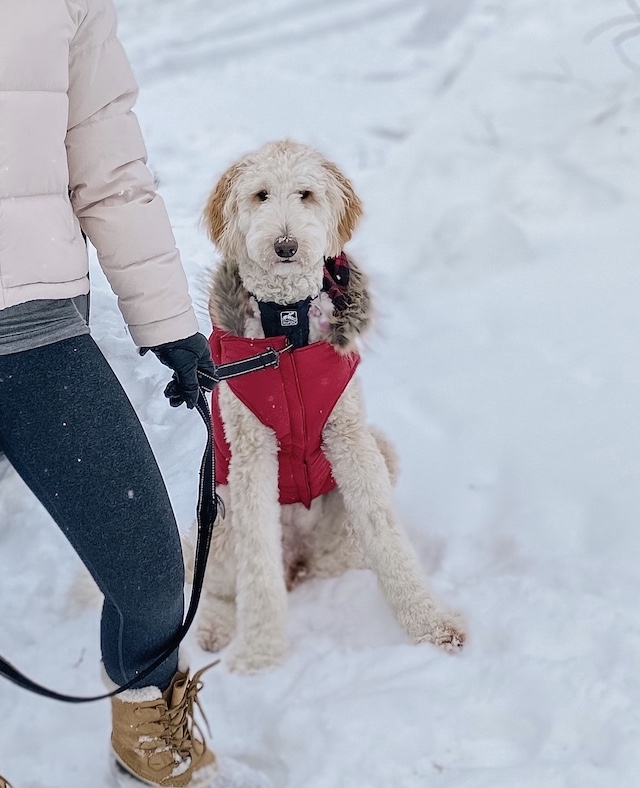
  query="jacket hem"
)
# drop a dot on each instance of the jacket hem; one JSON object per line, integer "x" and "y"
{"x": 37, "y": 291}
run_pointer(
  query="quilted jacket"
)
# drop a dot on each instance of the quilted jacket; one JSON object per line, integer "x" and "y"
{"x": 294, "y": 399}
{"x": 71, "y": 157}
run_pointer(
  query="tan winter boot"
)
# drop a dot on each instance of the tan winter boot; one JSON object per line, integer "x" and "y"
{"x": 4, "y": 783}
{"x": 155, "y": 738}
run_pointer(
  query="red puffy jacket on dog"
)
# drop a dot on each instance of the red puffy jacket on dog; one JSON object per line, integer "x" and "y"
{"x": 294, "y": 399}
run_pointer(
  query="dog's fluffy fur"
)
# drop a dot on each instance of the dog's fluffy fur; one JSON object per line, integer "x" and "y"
{"x": 262, "y": 548}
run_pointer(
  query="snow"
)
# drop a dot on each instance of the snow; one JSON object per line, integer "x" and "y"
{"x": 496, "y": 148}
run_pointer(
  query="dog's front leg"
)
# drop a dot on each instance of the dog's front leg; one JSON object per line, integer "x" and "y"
{"x": 362, "y": 476}
{"x": 217, "y": 615}
{"x": 261, "y": 595}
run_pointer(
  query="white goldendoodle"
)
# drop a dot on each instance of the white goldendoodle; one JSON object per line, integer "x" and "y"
{"x": 306, "y": 483}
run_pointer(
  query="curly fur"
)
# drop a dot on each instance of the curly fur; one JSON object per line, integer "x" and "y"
{"x": 262, "y": 549}
{"x": 230, "y": 306}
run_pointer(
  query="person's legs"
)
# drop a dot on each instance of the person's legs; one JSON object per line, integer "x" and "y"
{"x": 69, "y": 430}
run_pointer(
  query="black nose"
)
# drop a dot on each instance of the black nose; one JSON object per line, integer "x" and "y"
{"x": 285, "y": 246}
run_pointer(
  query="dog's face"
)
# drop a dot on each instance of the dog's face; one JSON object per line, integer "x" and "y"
{"x": 278, "y": 212}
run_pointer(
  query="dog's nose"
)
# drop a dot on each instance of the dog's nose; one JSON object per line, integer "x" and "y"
{"x": 285, "y": 246}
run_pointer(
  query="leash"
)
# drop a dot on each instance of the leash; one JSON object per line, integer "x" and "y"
{"x": 206, "y": 513}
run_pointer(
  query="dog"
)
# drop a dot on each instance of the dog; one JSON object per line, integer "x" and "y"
{"x": 306, "y": 484}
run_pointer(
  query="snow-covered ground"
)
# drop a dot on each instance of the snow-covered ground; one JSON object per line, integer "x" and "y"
{"x": 496, "y": 146}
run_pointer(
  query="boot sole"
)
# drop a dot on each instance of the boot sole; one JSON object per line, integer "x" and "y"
{"x": 125, "y": 778}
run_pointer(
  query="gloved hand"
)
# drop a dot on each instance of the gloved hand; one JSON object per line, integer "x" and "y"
{"x": 190, "y": 360}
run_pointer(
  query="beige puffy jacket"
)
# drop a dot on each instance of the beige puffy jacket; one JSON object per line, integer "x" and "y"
{"x": 66, "y": 93}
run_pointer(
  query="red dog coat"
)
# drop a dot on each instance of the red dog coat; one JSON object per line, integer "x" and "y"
{"x": 294, "y": 399}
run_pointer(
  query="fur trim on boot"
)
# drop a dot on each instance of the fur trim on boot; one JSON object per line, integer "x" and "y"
{"x": 155, "y": 739}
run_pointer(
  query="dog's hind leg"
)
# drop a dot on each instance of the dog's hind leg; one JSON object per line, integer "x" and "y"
{"x": 334, "y": 549}
{"x": 261, "y": 595}
{"x": 299, "y": 527}
{"x": 363, "y": 478}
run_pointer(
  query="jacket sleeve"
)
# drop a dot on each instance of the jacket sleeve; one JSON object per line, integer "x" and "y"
{"x": 113, "y": 192}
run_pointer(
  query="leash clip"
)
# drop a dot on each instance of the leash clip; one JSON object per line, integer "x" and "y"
{"x": 278, "y": 353}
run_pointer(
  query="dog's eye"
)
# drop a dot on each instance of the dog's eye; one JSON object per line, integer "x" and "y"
{"x": 304, "y": 194}
{"x": 262, "y": 196}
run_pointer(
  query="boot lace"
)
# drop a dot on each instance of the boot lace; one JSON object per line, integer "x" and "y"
{"x": 178, "y": 731}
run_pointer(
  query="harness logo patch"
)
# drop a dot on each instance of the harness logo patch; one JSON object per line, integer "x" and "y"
{"x": 289, "y": 318}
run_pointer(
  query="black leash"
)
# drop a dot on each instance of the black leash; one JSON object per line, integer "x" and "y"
{"x": 206, "y": 513}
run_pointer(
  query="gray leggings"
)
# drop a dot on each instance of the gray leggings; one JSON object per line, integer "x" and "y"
{"x": 69, "y": 430}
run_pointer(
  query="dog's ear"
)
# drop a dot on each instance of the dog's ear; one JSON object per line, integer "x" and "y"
{"x": 214, "y": 216}
{"x": 351, "y": 205}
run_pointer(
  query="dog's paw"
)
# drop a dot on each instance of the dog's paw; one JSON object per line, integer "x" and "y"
{"x": 445, "y": 630}
{"x": 217, "y": 625}
{"x": 253, "y": 659}
{"x": 211, "y": 637}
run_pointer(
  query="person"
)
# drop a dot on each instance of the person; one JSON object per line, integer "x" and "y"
{"x": 72, "y": 160}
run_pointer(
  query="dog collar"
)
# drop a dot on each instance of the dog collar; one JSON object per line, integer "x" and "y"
{"x": 288, "y": 320}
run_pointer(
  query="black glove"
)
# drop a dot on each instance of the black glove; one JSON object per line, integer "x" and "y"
{"x": 193, "y": 368}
